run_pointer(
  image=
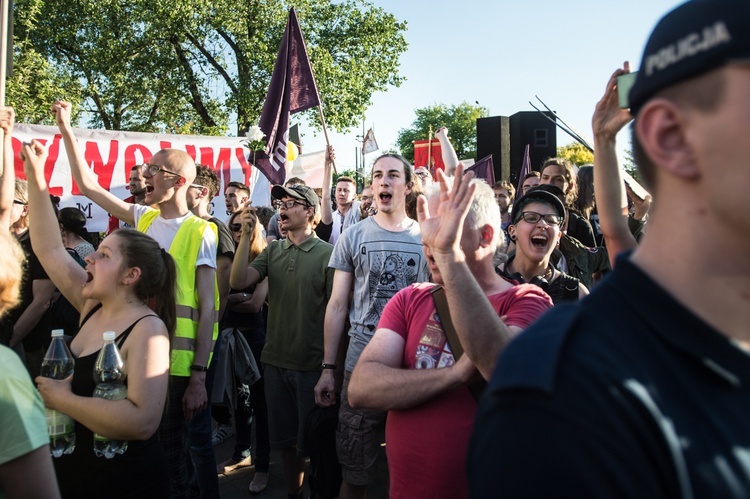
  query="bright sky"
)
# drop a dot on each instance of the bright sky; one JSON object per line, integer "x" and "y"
{"x": 502, "y": 53}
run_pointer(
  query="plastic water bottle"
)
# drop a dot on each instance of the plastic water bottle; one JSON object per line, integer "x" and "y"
{"x": 109, "y": 375}
{"x": 58, "y": 363}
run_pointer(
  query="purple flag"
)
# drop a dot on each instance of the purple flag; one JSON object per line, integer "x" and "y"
{"x": 484, "y": 169}
{"x": 292, "y": 90}
{"x": 525, "y": 170}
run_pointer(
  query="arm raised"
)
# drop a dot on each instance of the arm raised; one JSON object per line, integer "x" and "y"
{"x": 82, "y": 174}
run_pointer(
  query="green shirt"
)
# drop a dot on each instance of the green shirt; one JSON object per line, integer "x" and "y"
{"x": 24, "y": 428}
{"x": 299, "y": 286}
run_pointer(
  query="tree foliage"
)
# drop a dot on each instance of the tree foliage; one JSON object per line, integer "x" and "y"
{"x": 576, "y": 153}
{"x": 193, "y": 66}
{"x": 461, "y": 121}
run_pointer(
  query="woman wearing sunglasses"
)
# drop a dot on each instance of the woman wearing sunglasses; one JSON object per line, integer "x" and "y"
{"x": 245, "y": 313}
{"x": 537, "y": 221}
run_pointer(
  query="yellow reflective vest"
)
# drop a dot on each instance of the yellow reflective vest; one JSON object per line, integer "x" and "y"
{"x": 184, "y": 249}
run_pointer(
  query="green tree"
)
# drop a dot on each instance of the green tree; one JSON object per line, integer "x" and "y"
{"x": 576, "y": 153}
{"x": 193, "y": 66}
{"x": 461, "y": 121}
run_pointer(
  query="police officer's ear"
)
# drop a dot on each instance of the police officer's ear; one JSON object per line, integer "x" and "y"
{"x": 662, "y": 128}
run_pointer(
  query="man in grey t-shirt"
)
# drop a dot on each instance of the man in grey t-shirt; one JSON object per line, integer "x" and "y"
{"x": 374, "y": 258}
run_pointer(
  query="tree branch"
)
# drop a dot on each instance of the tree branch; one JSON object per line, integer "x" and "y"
{"x": 213, "y": 62}
{"x": 195, "y": 96}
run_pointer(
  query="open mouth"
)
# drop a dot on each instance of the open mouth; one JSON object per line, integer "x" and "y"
{"x": 149, "y": 189}
{"x": 283, "y": 218}
{"x": 539, "y": 241}
{"x": 89, "y": 277}
{"x": 385, "y": 197}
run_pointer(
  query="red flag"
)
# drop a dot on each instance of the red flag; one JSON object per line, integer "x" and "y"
{"x": 292, "y": 90}
{"x": 525, "y": 170}
{"x": 429, "y": 156}
{"x": 484, "y": 169}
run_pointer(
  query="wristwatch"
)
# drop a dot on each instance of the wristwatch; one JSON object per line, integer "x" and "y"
{"x": 196, "y": 367}
{"x": 328, "y": 366}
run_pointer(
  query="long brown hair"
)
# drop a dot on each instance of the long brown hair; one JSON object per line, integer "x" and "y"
{"x": 158, "y": 273}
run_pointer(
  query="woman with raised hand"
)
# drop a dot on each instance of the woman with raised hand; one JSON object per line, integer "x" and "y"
{"x": 113, "y": 293}
{"x": 245, "y": 313}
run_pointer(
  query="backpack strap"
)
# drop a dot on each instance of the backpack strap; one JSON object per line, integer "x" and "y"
{"x": 441, "y": 305}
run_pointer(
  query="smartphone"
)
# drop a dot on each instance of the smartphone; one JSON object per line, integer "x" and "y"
{"x": 624, "y": 84}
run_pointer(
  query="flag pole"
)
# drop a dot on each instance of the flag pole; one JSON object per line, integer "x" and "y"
{"x": 3, "y": 48}
{"x": 325, "y": 133}
{"x": 3, "y": 63}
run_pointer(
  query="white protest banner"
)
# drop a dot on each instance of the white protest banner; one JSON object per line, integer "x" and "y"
{"x": 111, "y": 155}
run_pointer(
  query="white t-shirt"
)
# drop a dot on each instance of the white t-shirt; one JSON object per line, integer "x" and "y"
{"x": 164, "y": 230}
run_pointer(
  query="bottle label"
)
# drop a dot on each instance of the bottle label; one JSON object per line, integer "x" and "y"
{"x": 58, "y": 424}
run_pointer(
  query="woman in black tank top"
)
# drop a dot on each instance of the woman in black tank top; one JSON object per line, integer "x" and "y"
{"x": 123, "y": 279}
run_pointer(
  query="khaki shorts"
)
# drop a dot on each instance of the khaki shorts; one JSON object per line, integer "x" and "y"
{"x": 359, "y": 436}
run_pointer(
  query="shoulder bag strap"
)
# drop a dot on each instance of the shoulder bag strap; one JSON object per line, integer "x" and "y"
{"x": 441, "y": 305}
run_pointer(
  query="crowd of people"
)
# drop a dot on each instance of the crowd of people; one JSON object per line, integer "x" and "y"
{"x": 562, "y": 339}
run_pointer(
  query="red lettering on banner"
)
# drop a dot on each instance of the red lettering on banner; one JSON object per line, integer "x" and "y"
{"x": 246, "y": 167}
{"x": 18, "y": 162}
{"x": 130, "y": 160}
{"x": 49, "y": 165}
{"x": 222, "y": 165}
{"x": 165, "y": 145}
{"x": 191, "y": 151}
{"x": 94, "y": 159}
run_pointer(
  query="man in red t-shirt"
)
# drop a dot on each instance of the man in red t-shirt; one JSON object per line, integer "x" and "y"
{"x": 137, "y": 188}
{"x": 408, "y": 367}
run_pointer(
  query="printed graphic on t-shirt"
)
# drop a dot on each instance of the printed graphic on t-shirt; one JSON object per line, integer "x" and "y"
{"x": 433, "y": 351}
{"x": 390, "y": 271}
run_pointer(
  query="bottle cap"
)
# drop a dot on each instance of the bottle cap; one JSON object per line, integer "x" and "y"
{"x": 108, "y": 335}
{"x": 57, "y": 332}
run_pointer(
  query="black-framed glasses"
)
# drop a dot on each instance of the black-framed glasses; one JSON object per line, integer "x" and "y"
{"x": 151, "y": 170}
{"x": 235, "y": 227}
{"x": 533, "y": 217}
{"x": 17, "y": 201}
{"x": 289, "y": 204}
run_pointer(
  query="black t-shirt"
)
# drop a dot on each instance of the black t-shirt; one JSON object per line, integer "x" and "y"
{"x": 627, "y": 394}
{"x": 226, "y": 241}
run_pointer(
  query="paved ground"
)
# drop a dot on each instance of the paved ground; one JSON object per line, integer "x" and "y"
{"x": 234, "y": 485}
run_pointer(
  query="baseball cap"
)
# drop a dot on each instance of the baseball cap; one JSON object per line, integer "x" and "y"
{"x": 301, "y": 192}
{"x": 694, "y": 38}
{"x": 538, "y": 195}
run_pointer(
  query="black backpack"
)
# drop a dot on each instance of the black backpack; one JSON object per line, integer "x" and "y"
{"x": 320, "y": 441}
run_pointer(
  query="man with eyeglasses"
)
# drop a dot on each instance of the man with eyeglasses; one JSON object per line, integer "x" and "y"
{"x": 299, "y": 285}
{"x": 192, "y": 242}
